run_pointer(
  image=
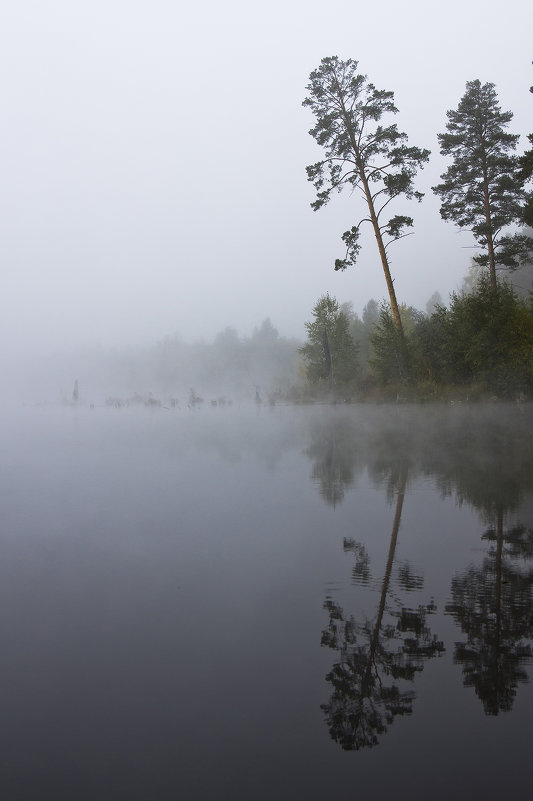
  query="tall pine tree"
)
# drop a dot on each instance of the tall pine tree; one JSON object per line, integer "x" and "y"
{"x": 360, "y": 152}
{"x": 481, "y": 190}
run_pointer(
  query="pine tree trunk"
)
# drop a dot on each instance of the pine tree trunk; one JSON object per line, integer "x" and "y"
{"x": 386, "y": 578}
{"x": 375, "y": 224}
{"x": 383, "y": 256}
{"x": 490, "y": 241}
{"x": 499, "y": 553}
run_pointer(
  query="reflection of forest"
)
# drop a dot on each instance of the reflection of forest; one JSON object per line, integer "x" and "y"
{"x": 482, "y": 456}
{"x": 493, "y": 604}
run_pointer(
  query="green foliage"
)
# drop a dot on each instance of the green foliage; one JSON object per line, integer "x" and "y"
{"x": 361, "y": 331}
{"x": 514, "y": 251}
{"x": 527, "y": 214}
{"x": 329, "y": 334}
{"x": 390, "y": 358}
{"x": 359, "y": 151}
{"x": 495, "y": 334}
{"x": 485, "y": 336}
{"x": 484, "y": 340}
{"x": 430, "y": 343}
{"x": 481, "y": 190}
{"x": 525, "y": 175}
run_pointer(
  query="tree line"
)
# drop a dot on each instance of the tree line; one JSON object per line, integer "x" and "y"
{"x": 480, "y": 345}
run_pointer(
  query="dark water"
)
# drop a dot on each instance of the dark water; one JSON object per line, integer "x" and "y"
{"x": 251, "y": 603}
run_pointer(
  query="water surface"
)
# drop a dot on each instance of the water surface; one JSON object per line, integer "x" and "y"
{"x": 265, "y": 603}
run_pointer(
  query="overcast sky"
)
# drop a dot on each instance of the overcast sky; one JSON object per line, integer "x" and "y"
{"x": 153, "y": 159}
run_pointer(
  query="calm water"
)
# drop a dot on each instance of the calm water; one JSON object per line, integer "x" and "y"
{"x": 252, "y": 603}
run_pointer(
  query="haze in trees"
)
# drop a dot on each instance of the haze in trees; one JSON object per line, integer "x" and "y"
{"x": 330, "y": 352}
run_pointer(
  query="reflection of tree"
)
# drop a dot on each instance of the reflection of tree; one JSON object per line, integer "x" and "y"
{"x": 361, "y": 569}
{"x": 493, "y": 604}
{"x": 334, "y": 454}
{"x": 407, "y": 580}
{"x": 373, "y": 658}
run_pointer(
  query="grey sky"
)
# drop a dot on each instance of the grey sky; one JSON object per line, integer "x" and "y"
{"x": 153, "y": 159}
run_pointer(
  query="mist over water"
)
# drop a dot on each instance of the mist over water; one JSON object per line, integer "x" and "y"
{"x": 222, "y": 601}
{"x": 232, "y": 366}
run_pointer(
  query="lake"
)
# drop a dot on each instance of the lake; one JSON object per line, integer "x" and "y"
{"x": 255, "y": 602}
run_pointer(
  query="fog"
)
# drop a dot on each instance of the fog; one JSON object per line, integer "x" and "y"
{"x": 175, "y": 534}
{"x": 153, "y": 164}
